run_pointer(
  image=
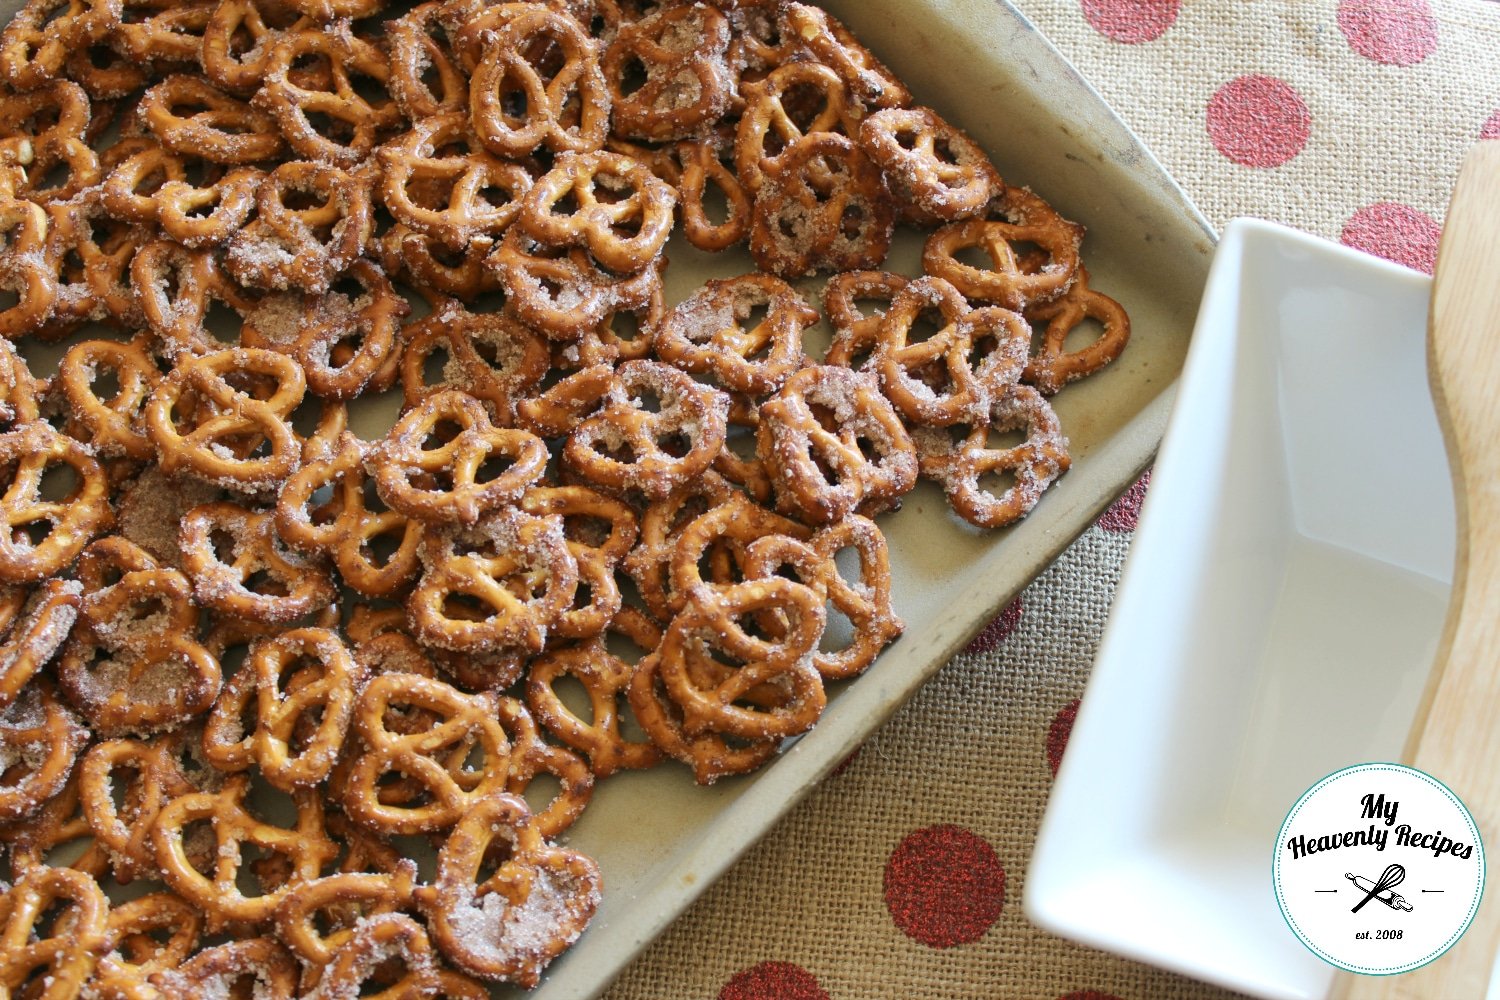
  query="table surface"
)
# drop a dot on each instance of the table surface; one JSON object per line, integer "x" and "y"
{"x": 901, "y": 877}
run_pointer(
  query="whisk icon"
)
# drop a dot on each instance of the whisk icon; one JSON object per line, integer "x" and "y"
{"x": 1382, "y": 889}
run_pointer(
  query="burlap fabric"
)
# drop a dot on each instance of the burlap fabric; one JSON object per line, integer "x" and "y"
{"x": 901, "y": 878}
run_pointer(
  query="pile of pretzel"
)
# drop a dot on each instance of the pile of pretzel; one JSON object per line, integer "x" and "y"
{"x": 249, "y": 660}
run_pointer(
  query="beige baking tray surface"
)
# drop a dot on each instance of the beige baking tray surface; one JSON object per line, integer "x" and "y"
{"x": 661, "y": 840}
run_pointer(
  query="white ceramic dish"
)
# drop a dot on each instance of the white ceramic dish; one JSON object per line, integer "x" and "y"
{"x": 1276, "y": 618}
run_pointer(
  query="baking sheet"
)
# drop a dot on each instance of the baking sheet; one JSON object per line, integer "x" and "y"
{"x": 661, "y": 840}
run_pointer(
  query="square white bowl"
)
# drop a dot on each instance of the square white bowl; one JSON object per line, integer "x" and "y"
{"x": 1275, "y": 621}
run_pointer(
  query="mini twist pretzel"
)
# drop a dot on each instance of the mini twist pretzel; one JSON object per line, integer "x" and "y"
{"x": 723, "y": 532}
{"x": 528, "y": 912}
{"x": 833, "y": 45}
{"x": 239, "y": 567}
{"x": 1011, "y": 281}
{"x": 116, "y": 426}
{"x": 649, "y": 563}
{"x": 430, "y": 265}
{"x": 417, "y": 54}
{"x": 23, "y": 240}
{"x": 61, "y": 168}
{"x": 300, "y": 679}
{"x": 40, "y": 535}
{"x": 190, "y": 116}
{"x": 39, "y": 742}
{"x": 561, "y": 291}
{"x": 344, "y": 901}
{"x": 69, "y": 231}
{"x": 438, "y": 759}
{"x": 681, "y": 50}
{"x": 152, "y": 774}
{"x": 134, "y": 663}
{"x": 531, "y": 756}
{"x": 348, "y": 531}
{"x": 130, "y": 188}
{"x": 615, "y": 443}
{"x": 378, "y": 945}
{"x": 237, "y": 42}
{"x": 443, "y": 483}
{"x": 38, "y": 623}
{"x": 502, "y": 583}
{"x": 709, "y": 623}
{"x": 39, "y": 37}
{"x": 703, "y": 164}
{"x": 831, "y": 442}
{"x": 202, "y": 423}
{"x": 207, "y": 215}
{"x": 566, "y": 101}
{"x": 488, "y": 356}
{"x": 583, "y": 510}
{"x": 1033, "y": 465}
{"x": 174, "y": 286}
{"x": 823, "y": 206}
{"x": 623, "y": 213}
{"x": 606, "y": 679}
{"x": 1054, "y": 366}
{"x": 307, "y": 246}
{"x": 344, "y": 339}
{"x": 936, "y": 381}
{"x": 936, "y": 171}
{"x": 856, "y": 333}
{"x": 253, "y": 966}
{"x": 28, "y": 119}
{"x": 58, "y": 826}
{"x": 706, "y": 334}
{"x": 710, "y": 755}
{"x": 218, "y": 890}
{"x": 104, "y": 73}
{"x": 107, "y": 258}
{"x": 451, "y": 196}
{"x": 866, "y": 602}
{"x": 134, "y": 949}
{"x": 795, "y": 100}
{"x": 357, "y": 121}
{"x": 40, "y": 945}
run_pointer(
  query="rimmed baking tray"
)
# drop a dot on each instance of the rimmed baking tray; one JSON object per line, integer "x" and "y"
{"x": 660, "y": 839}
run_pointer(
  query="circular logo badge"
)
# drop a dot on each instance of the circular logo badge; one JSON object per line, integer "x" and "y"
{"x": 1379, "y": 868}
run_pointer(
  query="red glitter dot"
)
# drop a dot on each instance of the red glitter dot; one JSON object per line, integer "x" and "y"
{"x": 1396, "y": 232}
{"x": 773, "y": 981}
{"x": 998, "y": 630}
{"x": 944, "y": 886}
{"x": 1491, "y": 128}
{"x": 1258, "y": 121}
{"x": 1125, "y": 513}
{"x": 1394, "y": 32}
{"x": 1058, "y": 733}
{"x": 1131, "y": 21}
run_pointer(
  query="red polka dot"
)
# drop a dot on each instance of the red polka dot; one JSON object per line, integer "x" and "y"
{"x": 1396, "y": 232}
{"x": 1394, "y": 32}
{"x": 944, "y": 886}
{"x": 1131, "y": 21}
{"x": 773, "y": 981}
{"x": 1058, "y": 733}
{"x": 1491, "y": 128}
{"x": 1125, "y": 513}
{"x": 998, "y": 630}
{"x": 1258, "y": 121}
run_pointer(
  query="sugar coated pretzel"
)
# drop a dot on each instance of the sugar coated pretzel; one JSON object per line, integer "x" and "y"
{"x": 513, "y": 924}
{"x": 115, "y": 427}
{"x": 309, "y": 246}
{"x": 1012, "y": 281}
{"x": 38, "y": 621}
{"x": 442, "y": 483}
{"x": 40, "y": 535}
{"x": 830, "y": 442}
{"x": 1053, "y": 366}
{"x": 476, "y": 194}
{"x": 937, "y": 171}
{"x": 240, "y": 567}
{"x": 705, "y": 333}
{"x": 40, "y": 740}
{"x": 54, "y": 925}
{"x": 190, "y": 116}
{"x": 623, "y": 212}
{"x": 562, "y": 291}
{"x": 681, "y": 50}
{"x": 490, "y": 356}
